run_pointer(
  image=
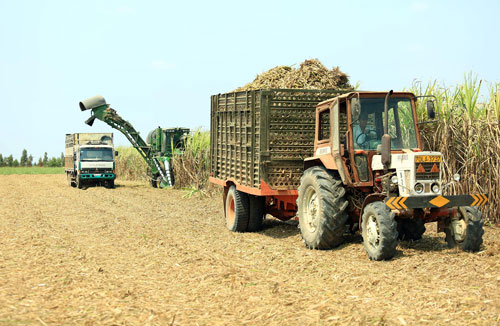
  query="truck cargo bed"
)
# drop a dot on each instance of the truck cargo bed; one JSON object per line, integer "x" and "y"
{"x": 263, "y": 135}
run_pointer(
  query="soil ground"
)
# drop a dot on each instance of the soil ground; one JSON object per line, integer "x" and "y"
{"x": 135, "y": 255}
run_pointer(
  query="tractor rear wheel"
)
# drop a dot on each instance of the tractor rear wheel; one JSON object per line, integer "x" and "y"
{"x": 379, "y": 230}
{"x": 237, "y": 210}
{"x": 257, "y": 213}
{"x": 411, "y": 229}
{"x": 466, "y": 231}
{"x": 321, "y": 209}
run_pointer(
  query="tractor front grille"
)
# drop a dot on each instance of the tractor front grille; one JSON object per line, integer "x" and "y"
{"x": 427, "y": 171}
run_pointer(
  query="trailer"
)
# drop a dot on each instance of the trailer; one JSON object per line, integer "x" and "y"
{"x": 259, "y": 140}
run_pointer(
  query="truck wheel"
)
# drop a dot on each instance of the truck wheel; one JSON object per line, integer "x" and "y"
{"x": 70, "y": 180}
{"x": 466, "y": 231}
{"x": 257, "y": 213}
{"x": 110, "y": 184}
{"x": 411, "y": 229}
{"x": 236, "y": 210}
{"x": 79, "y": 182}
{"x": 379, "y": 229}
{"x": 321, "y": 209}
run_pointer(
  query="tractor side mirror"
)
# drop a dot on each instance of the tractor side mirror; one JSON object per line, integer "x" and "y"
{"x": 116, "y": 153}
{"x": 431, "y": 111}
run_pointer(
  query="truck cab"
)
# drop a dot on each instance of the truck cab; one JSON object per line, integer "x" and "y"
{"x": 90, "y": 159}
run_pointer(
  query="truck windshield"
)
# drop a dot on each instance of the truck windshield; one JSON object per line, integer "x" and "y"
{"x": 96, "y": 154}
{"x": 369, "y": 127}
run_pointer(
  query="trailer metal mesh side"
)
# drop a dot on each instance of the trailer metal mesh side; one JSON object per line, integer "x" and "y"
{"x": 264, "y": 135}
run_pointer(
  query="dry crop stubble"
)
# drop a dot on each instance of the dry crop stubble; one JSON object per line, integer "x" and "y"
{"x": 138, "y": 255}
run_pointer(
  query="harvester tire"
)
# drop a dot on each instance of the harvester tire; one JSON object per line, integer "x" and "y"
{"x": 321, "y": 209}
{"x": 256, "y": 213}
{"x": 379, "y": 230}
{"x": 411, "y": 229}
{"x": 237, "y": 210}
{"x": 471, "y": 236}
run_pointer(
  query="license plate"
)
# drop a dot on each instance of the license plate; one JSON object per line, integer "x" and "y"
{"x": 97, "y": 175}
{"x": 427, "y": 158}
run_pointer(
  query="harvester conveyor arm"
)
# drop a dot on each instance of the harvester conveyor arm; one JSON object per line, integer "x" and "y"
{"x": 103, "y": 112}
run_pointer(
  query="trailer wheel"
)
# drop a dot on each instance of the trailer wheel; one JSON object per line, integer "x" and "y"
{"x": 237, "y": 210}
{"x": 321, "y": 209}
{"x": 466, "y": 231}
{"x": 411, "y": 229}
{"x": 257, "y": 213}
{"x": 379, "y": 230}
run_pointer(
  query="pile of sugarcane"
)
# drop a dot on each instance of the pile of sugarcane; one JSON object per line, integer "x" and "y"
{"x": 311, "y": 74}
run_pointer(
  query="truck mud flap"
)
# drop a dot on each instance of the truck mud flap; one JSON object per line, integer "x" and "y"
{"x": 436, "y": 201}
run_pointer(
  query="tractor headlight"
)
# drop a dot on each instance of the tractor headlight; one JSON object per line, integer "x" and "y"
{"x": 394, "y": 179}
{"x": 456, "y": 177}
{"x": 435, "y": 188}
{"x": 419, "y": 188}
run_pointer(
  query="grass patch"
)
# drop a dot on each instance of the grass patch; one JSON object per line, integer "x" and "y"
{"x": 31, "y": 170}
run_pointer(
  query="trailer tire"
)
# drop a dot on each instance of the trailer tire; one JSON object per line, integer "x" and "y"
{"x": 379, "y": 230}
{"x": 321, "y": 209}
{"x": 411, "y": 229}
{"x": 237, "y": 210}
{"x": 471, "y": 238}
{"x": 257, "y": 211}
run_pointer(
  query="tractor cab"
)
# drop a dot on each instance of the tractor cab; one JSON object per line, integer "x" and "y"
{"x": 350, "y": 129}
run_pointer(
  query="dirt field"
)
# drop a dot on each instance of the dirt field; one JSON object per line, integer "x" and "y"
{"x": 135, "y": 255}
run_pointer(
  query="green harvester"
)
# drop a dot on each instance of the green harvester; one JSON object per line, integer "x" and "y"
{"x": 158, "y": 149}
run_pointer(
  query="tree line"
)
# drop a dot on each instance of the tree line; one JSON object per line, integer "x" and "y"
{"x": 28, "y": 160}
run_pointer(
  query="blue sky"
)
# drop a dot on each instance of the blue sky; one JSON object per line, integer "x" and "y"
{"x": 158, "y": 62}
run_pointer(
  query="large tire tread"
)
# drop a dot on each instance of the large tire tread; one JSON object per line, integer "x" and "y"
{"x": 332, "y": 197}
{"x": 241, "y": 207}
{"x": 256, "y": 215}
{"x": 387, "y": 230}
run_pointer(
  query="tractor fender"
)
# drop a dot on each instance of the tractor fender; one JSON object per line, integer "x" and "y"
{"x": 368, "y": 200}
{"x": 329, "y": 162}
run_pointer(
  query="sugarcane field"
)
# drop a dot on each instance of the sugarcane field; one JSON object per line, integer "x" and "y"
{"x": 200, "y": 163}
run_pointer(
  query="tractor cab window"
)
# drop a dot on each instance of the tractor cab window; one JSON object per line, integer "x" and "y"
{"x": 369, "y": 127}
{"x": 324, "y": 125}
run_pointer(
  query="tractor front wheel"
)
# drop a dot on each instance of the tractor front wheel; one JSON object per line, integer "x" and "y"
{"x": 379, "y": 229}
{"x": 466, "y": 231}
